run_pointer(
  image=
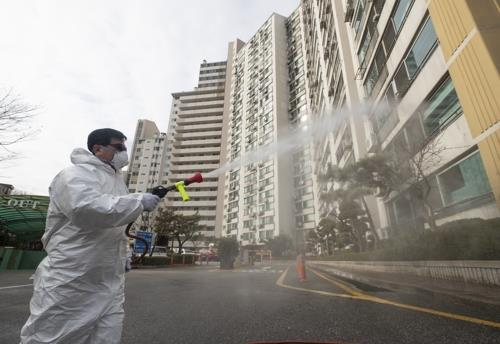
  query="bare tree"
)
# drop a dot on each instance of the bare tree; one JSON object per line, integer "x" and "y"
{"x": 413, "y": 167}
{"x": 14, "y": 117}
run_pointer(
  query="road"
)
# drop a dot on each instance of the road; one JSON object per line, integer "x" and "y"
{"x": 206, "y": 305}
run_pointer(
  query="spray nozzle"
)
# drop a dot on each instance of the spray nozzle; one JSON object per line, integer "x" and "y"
{"x": 180, "y": 186}
{"x": 161, "y": 191}
{"x": 196, "y": 178}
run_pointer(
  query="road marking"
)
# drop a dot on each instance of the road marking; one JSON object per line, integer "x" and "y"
{"x": 17, "y": 286}
{"x": 374, "y": 299}
{"x": 338, "y": 284}
{"x": 280, "y": 283}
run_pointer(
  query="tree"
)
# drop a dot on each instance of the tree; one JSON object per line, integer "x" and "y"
{"x": 166, "y": 223}
{"x": 350, "y": 209}
{"x": 280, "y": 245}
{"x": 228, "y": 250}
{"x": 326, "y": 233}
{"x": 14, "y": 117}
{"x": 188, "y": 229}
{"x": 402, "y": 169}
{"x": 178, "y": 227}
{"x": 312, "y": 240}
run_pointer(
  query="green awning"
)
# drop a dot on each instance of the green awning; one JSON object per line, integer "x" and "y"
{"x": 23, "y": 215}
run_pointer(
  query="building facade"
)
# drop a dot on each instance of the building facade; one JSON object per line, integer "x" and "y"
{"x": 147, "y": 159}
{"x": 194, "y": 144}
{"x": 409, "y": 66}
{"x": 258, "y": 196}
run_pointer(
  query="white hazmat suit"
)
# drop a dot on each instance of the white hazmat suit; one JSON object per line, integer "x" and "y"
{"x": 79, "y": 287}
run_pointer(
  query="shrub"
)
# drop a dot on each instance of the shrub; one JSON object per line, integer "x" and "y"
{"x": 470, "y": 239}
{"x": 154, "y": 261}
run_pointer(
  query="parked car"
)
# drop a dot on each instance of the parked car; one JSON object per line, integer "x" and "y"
{"x": 187, "y": 251}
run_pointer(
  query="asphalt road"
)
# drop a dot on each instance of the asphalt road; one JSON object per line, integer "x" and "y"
{"x": 206, "y": 305}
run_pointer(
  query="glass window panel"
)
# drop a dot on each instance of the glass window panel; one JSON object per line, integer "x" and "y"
{"x": 414, "y": 134}
{"x": 371, "y": 79}
{"x": 401, "y": 81}
{"x": 399, "y": 15}
{"x": 423, "y": 45}
{"x": 359, "y": 15}
{"x": 464, "y": 181}
{"x": 364, "y": 46}
{"x": 441, "y": 107}
{"x": 389, "y": 37}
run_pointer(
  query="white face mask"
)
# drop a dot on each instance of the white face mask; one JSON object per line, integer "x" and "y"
{"x": 120, "y": 160}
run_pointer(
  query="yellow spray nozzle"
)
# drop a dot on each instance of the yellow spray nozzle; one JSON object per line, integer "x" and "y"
{"x": 182, "y": 190}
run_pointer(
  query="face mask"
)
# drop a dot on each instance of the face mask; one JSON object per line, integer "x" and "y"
{"x": 120, "y": 160}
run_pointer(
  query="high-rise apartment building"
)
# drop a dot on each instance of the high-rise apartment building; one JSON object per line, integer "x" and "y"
{"x": 147, "y": 159}
{"x": 194, "y": 143}
{"x": 257, "y": 199}
{"x": 305, "y": 201}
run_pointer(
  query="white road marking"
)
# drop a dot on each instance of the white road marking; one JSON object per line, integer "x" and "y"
{"x": 17, "y": 286}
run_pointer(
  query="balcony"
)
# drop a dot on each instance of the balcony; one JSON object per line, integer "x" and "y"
{"x": 200, "y": 212}
{"x": 195, "y": 150}
{"x": 205, "y": 96}
{"x": 201, "y": 142}
{"x": 196, "y": 159}
{"x": 190, "y": 127}
{"x": 193, "y": 204}
{"x": 199, "y": 135}
{"x": 194, "y": 167}
{"x": 199, "y": 119}
{"x": 202, "y": 105}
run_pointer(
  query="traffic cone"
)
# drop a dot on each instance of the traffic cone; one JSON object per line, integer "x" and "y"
{"x": 301, "y": 268}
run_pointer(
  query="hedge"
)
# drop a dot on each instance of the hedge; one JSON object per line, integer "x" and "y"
{"x": 470, "y": 239}
{"x": 155, "y": 261}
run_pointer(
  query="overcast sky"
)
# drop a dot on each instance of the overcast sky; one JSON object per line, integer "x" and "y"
{"x": 93, "y": 64}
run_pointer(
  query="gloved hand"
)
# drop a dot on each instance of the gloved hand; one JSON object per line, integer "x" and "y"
{"x": 149, "y": 201}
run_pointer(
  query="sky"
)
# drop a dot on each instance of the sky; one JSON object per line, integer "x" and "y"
{"x": 88, "y": 64}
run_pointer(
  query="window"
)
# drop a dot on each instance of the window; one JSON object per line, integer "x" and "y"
{"x": 360, "y": 8}
{"x": 422, "y": 46}
{"x": 441, "y": 107}
{"x": 400, "y": 13}
{"x": 418, "y": 53}
{"x": 465, "y": 180}
{"x": 364, "y": 47}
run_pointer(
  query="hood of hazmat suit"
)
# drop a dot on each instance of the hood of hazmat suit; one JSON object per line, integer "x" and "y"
{"x": 79, "y": 287}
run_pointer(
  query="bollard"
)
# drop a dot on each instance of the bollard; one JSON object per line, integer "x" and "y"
{"x": 300, "y": 265}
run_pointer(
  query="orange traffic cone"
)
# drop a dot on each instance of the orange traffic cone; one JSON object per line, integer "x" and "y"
{"x": 301, "y": 267}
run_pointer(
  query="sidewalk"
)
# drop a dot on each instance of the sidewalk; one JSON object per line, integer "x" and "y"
{"x": 397, "y": 281}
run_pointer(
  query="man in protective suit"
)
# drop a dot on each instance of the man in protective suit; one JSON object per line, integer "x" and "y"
{"x": 79, "y": 287}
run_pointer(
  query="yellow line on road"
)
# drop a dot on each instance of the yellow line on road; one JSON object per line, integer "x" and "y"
{"x": 280, "y": 283}
{"x": 370, "y": 298}
{"x": 337, "y": 283}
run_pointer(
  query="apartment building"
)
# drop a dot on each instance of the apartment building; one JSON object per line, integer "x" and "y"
{"x": 257, "y": 197}
{"x": 147, "y": 159}
{"x": 194, "y": 144}
{"x": 418, "y": 55}
{"x": 299, "y": 115}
